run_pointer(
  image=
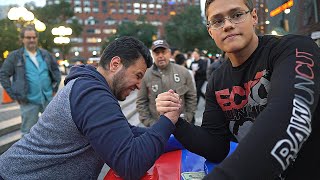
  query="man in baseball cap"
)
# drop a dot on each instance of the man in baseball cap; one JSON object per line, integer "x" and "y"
{"x": 159, "y": 43}
{"x": 161, "y": 77}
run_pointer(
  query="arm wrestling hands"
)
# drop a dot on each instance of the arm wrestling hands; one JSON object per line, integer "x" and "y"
{"x": 169, "y": 105}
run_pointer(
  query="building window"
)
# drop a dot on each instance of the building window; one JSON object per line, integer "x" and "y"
{"x": 90, "y": 31}
{"x": 129, "y": 6}
{"x": 95, "y": 10}
{"x": 77, "y": 3}
{"x": 94, "y": 48}
{"x": 75, "y": 49}
{"x": 136, "y": 5}
{"x": 113, "y": 11}
{"x": 86, "y": 9}
{"x": 96, "y": 4}
{"x": 93, "y": 40}
{"x": 77, "y": 10}
{"x": 144, "y": 11}
{"x": 144, "y": 6}
{"x": 91, "y": 21}
{"x": 129, "y": 11}
{"x": 136, "y": 11}
{"x": 76, "y": 40}
{"x": 86, "y": 3}
{"x": 121, "y": 11}
{"x": 110, "y": 21}
{"x": 97, "y": 31}
{"x": 109, "y": 31}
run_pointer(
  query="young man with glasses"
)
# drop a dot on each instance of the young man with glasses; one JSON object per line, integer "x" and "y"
{"x": 35, "y": 78}
{"x": 266, "y": 98}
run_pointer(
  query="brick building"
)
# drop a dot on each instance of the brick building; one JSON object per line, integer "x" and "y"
{"x": 101, "y": 17}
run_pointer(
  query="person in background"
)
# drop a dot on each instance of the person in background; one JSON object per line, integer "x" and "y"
{"x": 189, "y": 59}
{"x": 265, "y": 97}
{"x": 180, "y": 59}
{"x": 35, "y": 78}
{"x": 216, "y": 64}
{"x": 174, "y": 52}
{"x": 199, "y": 68}
{"x": 83, "y": 127}
{"x": 161, "y": 77}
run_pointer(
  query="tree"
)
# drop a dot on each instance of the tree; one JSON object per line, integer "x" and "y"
{"x": 8, "y": 36}
{"x": 187, "y": 31}
{"x": 56, "y": 15}
{"x": 139, "y": 29}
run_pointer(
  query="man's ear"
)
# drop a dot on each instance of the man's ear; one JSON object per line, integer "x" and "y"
{"x": 209, "y": 31}
{"x": 254, "y": 16}
{"x": 115, "y": 64}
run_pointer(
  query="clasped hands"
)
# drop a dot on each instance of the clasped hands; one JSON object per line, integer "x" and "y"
{"x": 169, "y": 105}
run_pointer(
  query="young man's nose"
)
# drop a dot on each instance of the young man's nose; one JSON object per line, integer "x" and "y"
{"x": 228, "y": 25}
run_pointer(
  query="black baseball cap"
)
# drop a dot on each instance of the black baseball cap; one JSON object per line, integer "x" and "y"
{"x": 159, "y": 43}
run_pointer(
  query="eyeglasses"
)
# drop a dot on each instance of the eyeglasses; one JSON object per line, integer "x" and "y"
{"x": 235, "y": 18}
{"x": 31, "y": 37}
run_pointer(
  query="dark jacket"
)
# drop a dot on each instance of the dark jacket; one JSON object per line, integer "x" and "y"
{"x": 201, "y": 73}
{"x": 14, "y": 66}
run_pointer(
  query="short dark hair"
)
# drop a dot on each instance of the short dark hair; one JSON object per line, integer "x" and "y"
{"x": 180, "y": 59}
{"x": 129, "y": 49}
{"x": 248, "y": 3}
{"x": 28, "y": 28}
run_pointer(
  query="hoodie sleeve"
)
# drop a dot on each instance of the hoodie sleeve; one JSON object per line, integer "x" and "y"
{"x": 98, "y": 116}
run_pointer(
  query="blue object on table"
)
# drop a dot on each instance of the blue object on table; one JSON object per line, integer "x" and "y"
{"x": 209, "y": 166}
{"x": 173, "y": 144}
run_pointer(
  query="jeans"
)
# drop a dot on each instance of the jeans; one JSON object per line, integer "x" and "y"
{"x": 30, "y": 115}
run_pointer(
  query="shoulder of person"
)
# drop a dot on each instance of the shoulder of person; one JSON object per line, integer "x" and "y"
{"x": 15, "y": 54}
{"x": 285, "y": 41}
{"x": 17, "y": 51}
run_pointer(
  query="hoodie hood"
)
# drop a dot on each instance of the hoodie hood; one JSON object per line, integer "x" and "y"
{"x": 84, "y": 71}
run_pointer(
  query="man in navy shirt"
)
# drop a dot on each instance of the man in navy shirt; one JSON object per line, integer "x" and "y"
{"x": 83, "y": 127}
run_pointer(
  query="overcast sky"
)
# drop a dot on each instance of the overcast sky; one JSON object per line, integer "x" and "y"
{"x": 21, "y": 2}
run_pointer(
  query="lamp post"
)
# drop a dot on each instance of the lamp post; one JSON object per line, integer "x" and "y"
{"x": 62, "y": 39}
{"x": 24, "y": 17}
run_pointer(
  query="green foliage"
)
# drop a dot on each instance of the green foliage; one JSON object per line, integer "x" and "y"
{"x": 9, "y": 36}
{"x": 52, "y": 16}
{"x": 139, "y": 29}
{"x": 56, "y": 15}
{"x": 187, "y": 31}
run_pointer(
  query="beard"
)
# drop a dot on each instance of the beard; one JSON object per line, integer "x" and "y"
{"x": 118, "y": 85}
